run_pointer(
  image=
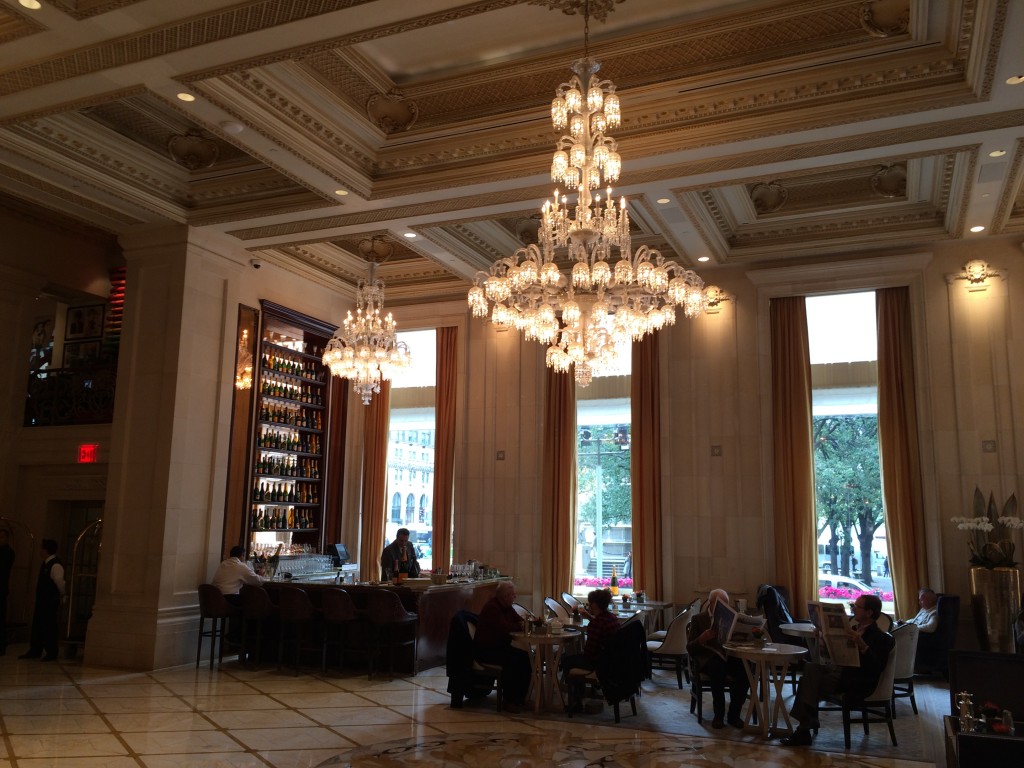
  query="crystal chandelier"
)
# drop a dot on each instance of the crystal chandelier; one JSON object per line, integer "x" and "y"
{"x": 587, "y": 314}
{"x": 365, "y": 349}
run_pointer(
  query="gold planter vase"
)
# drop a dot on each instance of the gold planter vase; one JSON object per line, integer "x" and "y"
{"x": 995, "y": 600}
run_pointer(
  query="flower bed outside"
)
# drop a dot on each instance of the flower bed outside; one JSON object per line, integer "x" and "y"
{"x": 593, "y": 582}
{"x": 840, "y": 595}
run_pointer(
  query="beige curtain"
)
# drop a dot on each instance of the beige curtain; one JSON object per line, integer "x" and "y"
{"x": 444, "y": 444}
{"x": 558, "y": 502}
{"x": 375, "y": 483}
{"x": 898, "y": 445}
{"x": 645, "y": 467}
{"x": 795, "y": 516}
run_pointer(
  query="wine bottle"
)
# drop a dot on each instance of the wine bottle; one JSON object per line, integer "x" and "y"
{"x": 615, "y": 583}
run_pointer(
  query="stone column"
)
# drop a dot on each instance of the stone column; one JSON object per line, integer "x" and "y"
{"x": 169, "y": 444}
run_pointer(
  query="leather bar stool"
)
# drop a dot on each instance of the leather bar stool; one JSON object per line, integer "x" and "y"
{"x": 340, "y": 618}
{"x": 213, "y": 606}
{"x": 392, "y": 627}
{"x": 258, "y": 611}
{"x": 296, "y": 612}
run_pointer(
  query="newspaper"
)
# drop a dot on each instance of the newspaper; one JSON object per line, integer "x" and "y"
{"x": 833, "y": 626}
{"x": 731, "y": 626}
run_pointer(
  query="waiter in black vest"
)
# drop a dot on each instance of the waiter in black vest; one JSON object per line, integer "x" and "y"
{"x": 49, "y": 594}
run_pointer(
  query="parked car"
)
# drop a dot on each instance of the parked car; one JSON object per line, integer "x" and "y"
{"x": 854, "y": 586}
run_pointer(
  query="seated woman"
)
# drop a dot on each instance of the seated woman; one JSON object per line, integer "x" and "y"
{"x": 701, "y": 637}
{"x": 603, "y": 623}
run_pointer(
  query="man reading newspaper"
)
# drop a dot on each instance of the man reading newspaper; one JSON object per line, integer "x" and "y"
{"x": 872, "y": 647}
{"x": 705, "y": 635}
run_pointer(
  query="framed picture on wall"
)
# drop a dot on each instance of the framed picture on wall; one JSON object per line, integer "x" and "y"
{"x": 85, "y": 322}
{"x": 81, "y": 354}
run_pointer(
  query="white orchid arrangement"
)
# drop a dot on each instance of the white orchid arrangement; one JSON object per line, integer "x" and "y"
{"x": 989, "y": 549}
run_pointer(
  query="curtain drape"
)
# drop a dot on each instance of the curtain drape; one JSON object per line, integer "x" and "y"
{"x": 558, "y": 502}
{"x": 645, "y": 467}
{"x": 375, "y": 467}
{"x": 337, "y": 429}
{"x": 899, "y": 448}
{"x": 444, "y": 444}
{"x": 792, "y": 428}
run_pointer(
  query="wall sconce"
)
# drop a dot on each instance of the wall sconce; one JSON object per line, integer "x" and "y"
{"x": 976, "y": 273}
{"x": 713, "y": 298}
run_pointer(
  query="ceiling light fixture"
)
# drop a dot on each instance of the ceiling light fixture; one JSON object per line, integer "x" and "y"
{"x": 410, "y": 235}
{"x": 1015, "y": 80}
{"x": 32, "y": 5}
{"x": 186, "y": 96}
{"x": 977, "y": 228}
{"x": 366, "y": 349}
{"x": 997, "y": 153}
{"x": 589, "y": 314}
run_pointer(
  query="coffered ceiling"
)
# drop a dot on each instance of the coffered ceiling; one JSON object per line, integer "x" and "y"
{"x": 753, "y": 131}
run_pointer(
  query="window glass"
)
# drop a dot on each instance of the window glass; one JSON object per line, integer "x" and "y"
{"x": 852, "y": 551}
{"x": 410, "y": 446}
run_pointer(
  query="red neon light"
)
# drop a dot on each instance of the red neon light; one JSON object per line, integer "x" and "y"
{"x": 87, "y": 453}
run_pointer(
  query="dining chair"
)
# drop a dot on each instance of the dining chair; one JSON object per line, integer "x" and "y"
{"x": 906, "y": 655}
{"x": 876, "y": 707}
{"x": 571, "y": 602}
{"x": 672, "y": 649}
{"x": 557, "y": 610}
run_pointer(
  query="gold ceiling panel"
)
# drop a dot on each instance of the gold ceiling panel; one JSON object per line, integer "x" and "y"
{"x": 83, "y": 9}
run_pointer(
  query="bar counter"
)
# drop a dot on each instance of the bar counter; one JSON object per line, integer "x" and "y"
{"x": 435, "y": 604}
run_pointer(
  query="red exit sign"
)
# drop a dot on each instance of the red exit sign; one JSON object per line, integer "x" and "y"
{"x": 87, "y": 453}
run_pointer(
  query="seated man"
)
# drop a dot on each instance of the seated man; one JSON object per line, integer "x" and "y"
{"x": 820, "y": 680}
{"x": 493, "y": 645}
{"x": 232, "y": 573}
{"x": 603, "y": 623}
{"x": 701, "y": 637}
{"x": 927, "y": 618}
{"x": 399, "y": 557}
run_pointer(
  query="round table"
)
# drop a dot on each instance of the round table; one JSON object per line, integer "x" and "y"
{"x": 545, "y": 653}
{"x": 805, "y": 630}
{"x": 767, "y": 667}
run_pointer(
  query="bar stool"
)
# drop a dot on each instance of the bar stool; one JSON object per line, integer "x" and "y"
{"x": 340, "y": 617}
{"x": 390, "y": 625}
{"x": 258, "y": 609}
{"x": 296, "y": 612}
{"x": 212, "y": 605}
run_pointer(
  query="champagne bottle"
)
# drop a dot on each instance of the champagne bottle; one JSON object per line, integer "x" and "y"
{"x": 615, "y": 583}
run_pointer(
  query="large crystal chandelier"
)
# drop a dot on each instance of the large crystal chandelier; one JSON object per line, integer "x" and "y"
{"x": 365, "y": 349}
{"x": 587, "y": 314}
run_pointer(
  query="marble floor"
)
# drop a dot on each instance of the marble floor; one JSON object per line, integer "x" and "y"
{"x": 70, "y": 715}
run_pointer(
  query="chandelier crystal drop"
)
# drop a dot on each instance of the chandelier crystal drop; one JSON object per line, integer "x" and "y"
{"x": 366, "y": 349}
{"x": 608, "y": 296}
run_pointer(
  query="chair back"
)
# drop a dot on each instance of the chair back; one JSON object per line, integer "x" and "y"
{"x": 523, "y": 611}
{"x": 571, "y": 602}
{"x": 884, "y": 622}
{"x": 384, "y": 606}
{"x": 883, "y": 691}
{"x": 294, "y": 605}
{"x": 212, "y": 604}
{"x": 906, "y": 650}
{"x": 675, "y": 637}
{"x": 256, "y": 602}
{"x": 337, "y": 606}
{"x": 772, "y": 601}
{"x": 557, "y": 609}
{"x": 635, "y": 618}
{"x": 623, "y": 663}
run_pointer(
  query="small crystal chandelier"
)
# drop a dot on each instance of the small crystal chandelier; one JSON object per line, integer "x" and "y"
{"x": 587, "y": 315}
{"x": 365, "y": 349}
{"x": 243, "y": 363}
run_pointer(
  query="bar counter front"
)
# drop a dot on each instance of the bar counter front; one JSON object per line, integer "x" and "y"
{"x": 434, "y": 604}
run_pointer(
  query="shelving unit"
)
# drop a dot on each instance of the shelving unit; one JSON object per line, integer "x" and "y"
{"x": 289, "y": 437}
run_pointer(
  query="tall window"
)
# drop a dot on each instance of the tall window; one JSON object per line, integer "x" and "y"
{"x": 410, "y": 446}
{"x": 604, "y": 526}
{"x": 852, "y": 552}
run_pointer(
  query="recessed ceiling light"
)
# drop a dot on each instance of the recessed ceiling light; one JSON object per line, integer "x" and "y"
{"x": 32, "y": 5}
{"x": 704, "y": 258}
{"x": 232, "y": 126}
{"x": 186, "y": 96}
{"x": 977, "y": 229}
{"x": 341, "y": 192}
{"x": 997, "y": 153}
{"x": 410, "y": 235}
{"x": 1015, "y": 80}
{"x": 986, "y": 194}
{"x": 664, "y": 200}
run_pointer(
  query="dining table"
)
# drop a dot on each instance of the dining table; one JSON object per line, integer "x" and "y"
{"x": 766, "y": 666}
{"x": 804, "y": 630}
{"x": 545, "y": 654}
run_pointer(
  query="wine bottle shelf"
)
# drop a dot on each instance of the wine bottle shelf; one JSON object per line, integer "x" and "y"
{"x": 286, "y": 425}
{"x": 285, "y": 530}
{"x": 290, "y": 401}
